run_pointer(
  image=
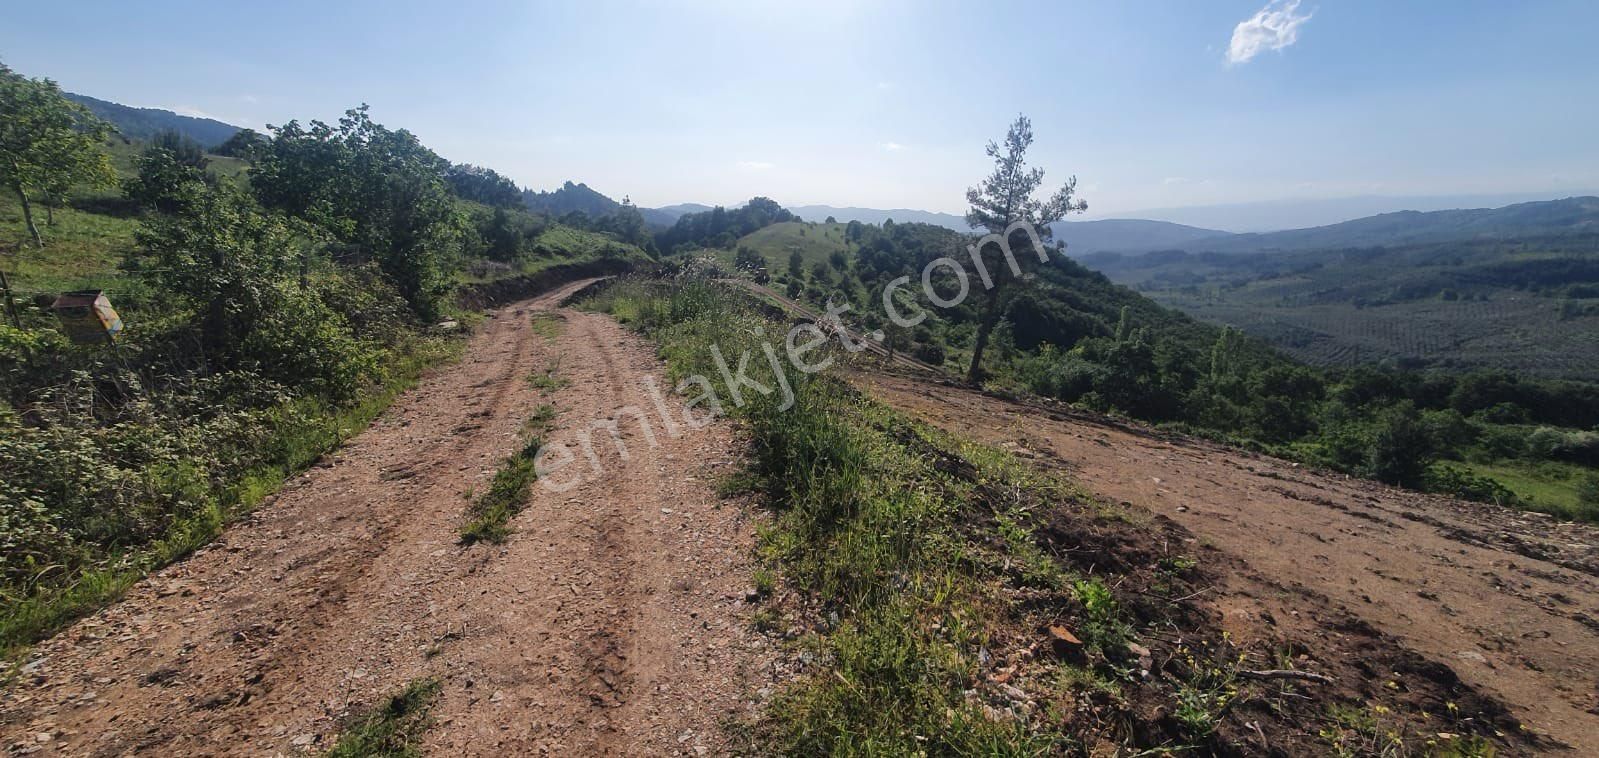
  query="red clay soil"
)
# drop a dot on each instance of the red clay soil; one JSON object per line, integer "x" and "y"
{"x": 610, "y": 622}
{"x": 1507, "y": 600}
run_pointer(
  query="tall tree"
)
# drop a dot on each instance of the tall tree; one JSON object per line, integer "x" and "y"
{"x": 1001, "y": 202}
{"x": 376, "y": 189}
{"x": 47, "y": 143}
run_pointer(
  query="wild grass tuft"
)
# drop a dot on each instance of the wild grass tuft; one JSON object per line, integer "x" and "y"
{"x": 392, "y": 730}
{"x": 489, "y": 514}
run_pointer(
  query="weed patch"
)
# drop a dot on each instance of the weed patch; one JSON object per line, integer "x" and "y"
{"x": 507, "y": 495}
{"x": 392, "y": 730}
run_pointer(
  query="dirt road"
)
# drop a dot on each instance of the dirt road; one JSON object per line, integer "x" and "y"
{"x": 609, "y": 622}
{"x": 1508, "y": 600}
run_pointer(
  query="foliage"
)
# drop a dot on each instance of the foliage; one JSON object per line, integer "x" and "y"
{"x": 378, "y": 190}
{"x": 244, "y": 144}
{"x": 720, "y": 227}
{"x": 48, "y": 144}
{"x": 1003, "y": 199}
{"x": 483, "y": 185}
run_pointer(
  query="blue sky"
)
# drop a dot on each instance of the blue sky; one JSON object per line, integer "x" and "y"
{"x": 889, "y": 104}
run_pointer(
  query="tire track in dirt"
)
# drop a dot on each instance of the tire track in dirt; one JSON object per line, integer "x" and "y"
{"x": 349, "y": 584}
{"x": 1503, "y": 598}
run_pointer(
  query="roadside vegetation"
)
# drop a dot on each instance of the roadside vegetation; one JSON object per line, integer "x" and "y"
{"x": 951, "y": 601}
{"x": 1073, "y": 335}
{"x": 274, "y": 302}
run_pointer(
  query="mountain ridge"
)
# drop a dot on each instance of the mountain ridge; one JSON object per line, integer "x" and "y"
{"x": 143, "y": 123}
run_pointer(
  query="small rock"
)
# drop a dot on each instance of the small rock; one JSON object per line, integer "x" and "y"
{"x": 303, "y": 740}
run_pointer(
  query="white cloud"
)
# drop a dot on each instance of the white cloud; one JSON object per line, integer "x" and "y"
{"x": 893, "y": 146}
{"x": 1273, "y": 27}
{"x": 754, "y": 165}
{"x": 191, "y": 111}
{"x": 1174, "y": 180}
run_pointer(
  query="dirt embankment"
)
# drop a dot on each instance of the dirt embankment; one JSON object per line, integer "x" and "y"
{"x": 1507, "y": 600}
{"x": 611, "y": 621}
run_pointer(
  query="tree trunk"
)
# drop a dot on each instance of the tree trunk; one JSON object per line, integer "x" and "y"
{"x": 50, "y": 214}
{"x": 985, "y": 326}
{"x": 27, "y": 216}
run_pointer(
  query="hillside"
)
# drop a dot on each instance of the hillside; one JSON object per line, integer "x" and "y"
{"x": 813, "y": 241}
{"x": 1527, "y": 304}
{"x": 144, "y": 123}
{"x": 1573, "y": 215}
{"x": 1084, "y": 237}
{"x": 570, "y": 198}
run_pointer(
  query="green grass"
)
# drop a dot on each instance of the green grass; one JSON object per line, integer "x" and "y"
{"x": 814, "y": 242}
{"x": 302, "y": 432}
{"x": 1548, "y": 486}
{"x": 548, "y": 325}
{"x": 925, "y": 552}
{"x": 82, "y": 251}
{"x": 546, "y": 379}
{"x": 393, "y": 730}
{"x": 489, "y": 514}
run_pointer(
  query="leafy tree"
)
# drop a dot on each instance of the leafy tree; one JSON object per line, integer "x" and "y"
{"x": 244, "y": 144}
{"x": 838, "y": 260}
{"x": 1005, "y": 198}
{"x": 182, "y": 147}
{"x": 218, "y": 255}
{"x": 166, "y": 176}
{"x": 1400, "y": 449}
{"x": 1588, "y": 495}
{"x": 796, "y": 265}
{"x": 483, "y": 185}
{"x": 504, "y": 240}
{"x": 376, "y": 189}
{"x": 48, "y": 143}
{"x": 627, "y": 223}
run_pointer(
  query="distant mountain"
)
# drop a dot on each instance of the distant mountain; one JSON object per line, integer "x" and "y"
{"x": 877, "y": 216}
{"x": 1128, "y": 235}
{"x": 660, "y": 218}
{"x": 144, "y": 123}
{"x": 1572, "y": 215}
{"x": 1276, "y": 215}
{"x": 1082, "y": 237}
{"x": 570, "y": 197}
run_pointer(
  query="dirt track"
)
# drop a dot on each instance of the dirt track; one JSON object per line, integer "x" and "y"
{"x": 1508, "y": 600}
{"x": 610, "y": 621}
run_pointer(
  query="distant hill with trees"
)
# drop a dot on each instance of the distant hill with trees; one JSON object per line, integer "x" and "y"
{"x": 570, "y": 198}
{"x": 144, "y": 123}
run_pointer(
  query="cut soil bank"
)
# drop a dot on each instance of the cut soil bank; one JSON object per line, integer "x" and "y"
{"x": 610, "y": 621}
{"x": 1347, "y": 568}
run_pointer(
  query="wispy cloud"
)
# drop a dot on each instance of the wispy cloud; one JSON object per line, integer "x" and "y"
{"x": 893, "y": 146}
{"x": 191, "y": 111}
{"x": 1273, "y": 27}
{"x": 754, "y": 165}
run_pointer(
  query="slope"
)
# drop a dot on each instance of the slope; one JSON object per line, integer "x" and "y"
{"x": 1503, "y": 599}
{"x": 144, "y": 123}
